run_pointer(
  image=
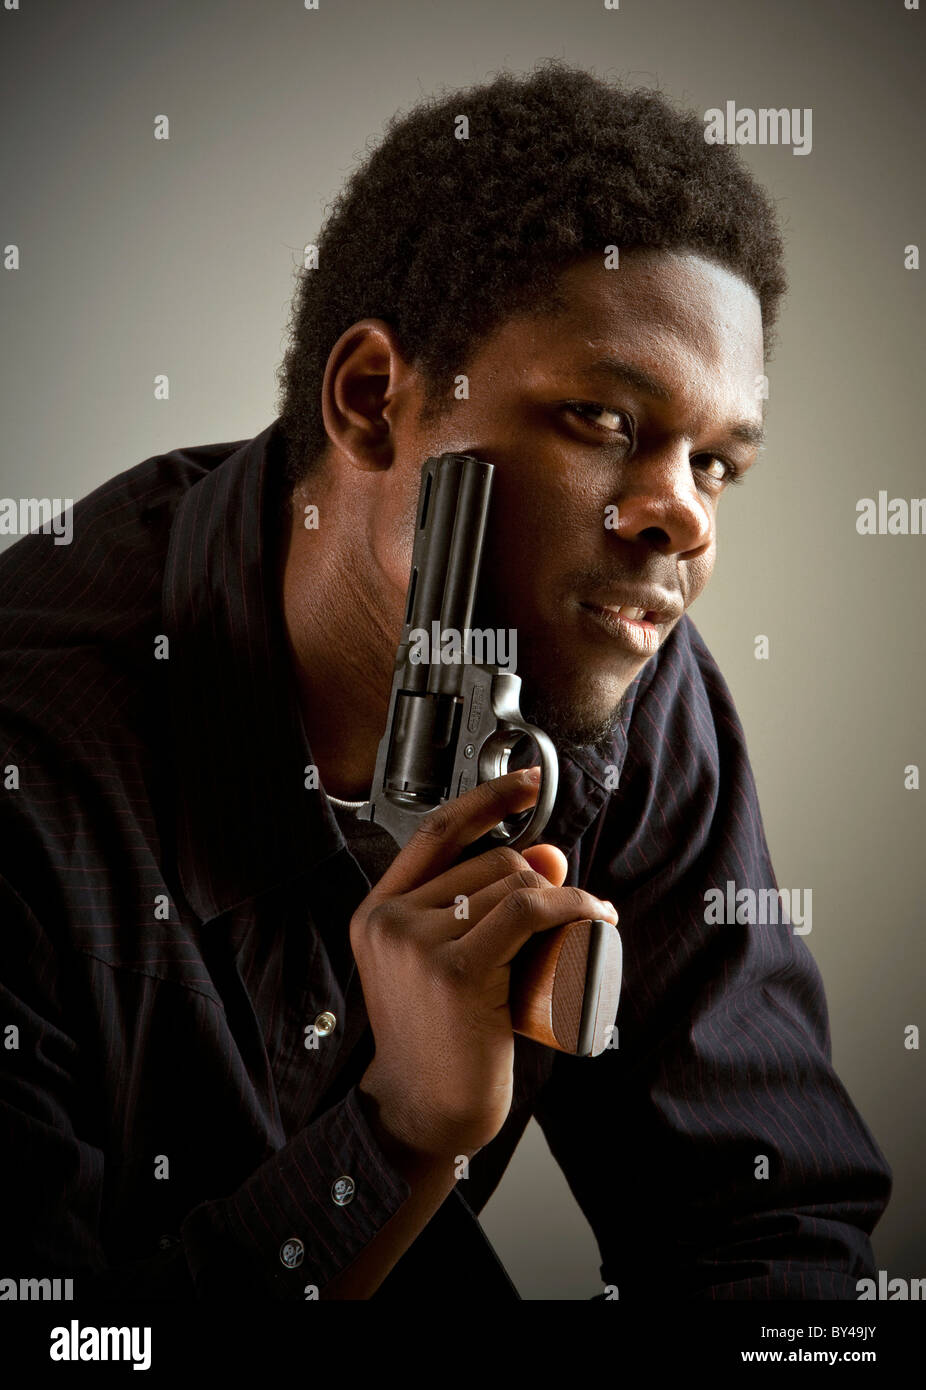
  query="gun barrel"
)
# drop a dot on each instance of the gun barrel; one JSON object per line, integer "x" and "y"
{"x": 452, "y": 510}
{"x": 453, "y": 505}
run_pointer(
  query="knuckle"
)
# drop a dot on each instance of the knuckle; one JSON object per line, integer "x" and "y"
{"x": 384, "y": 918}
{"x": 358, "y": 924}
{"x": 529, "y": 878}
{"x": 437, "y": 824}
{"x": 507, "y": 861}
{"x": 523, "y": 902}
{"x": 491, "y": 794}
{"x": 498, "y": 800}
{"x": 453, "y": 967}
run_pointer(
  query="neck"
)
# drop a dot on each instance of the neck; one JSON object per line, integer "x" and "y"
{"x": 342, "y": 648}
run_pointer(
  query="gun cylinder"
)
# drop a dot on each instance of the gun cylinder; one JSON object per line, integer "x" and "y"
{"x": 423, "y": 748}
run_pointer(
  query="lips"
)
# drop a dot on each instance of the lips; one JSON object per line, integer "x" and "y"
{"x": 634, "y": 614}
{"x": 635, "y": 618}
{"x": 644, "y": 605}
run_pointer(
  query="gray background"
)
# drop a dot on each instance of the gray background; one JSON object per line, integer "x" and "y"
{"x": 143, "y": 256}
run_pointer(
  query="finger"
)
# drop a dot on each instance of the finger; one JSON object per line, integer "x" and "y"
{"x": 450, "y": 827}
{"x": 499, "y": 936}
{"x": 468, "y": 878}
{"x": 487, "y": 899}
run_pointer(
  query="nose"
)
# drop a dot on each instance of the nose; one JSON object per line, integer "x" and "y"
{"x": 659, "y": 503}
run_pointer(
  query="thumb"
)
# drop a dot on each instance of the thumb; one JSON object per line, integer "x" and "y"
{"x": 549, "y": 861}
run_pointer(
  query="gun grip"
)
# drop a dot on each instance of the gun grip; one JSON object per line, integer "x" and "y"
{"x": 565, "y": 987}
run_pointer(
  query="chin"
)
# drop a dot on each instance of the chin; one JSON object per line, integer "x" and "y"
{"x": 573, "y": 725}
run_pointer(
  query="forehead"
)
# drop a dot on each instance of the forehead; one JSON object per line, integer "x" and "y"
{"x": 677, "y": 316}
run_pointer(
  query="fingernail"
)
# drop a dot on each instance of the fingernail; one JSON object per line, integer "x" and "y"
{"x": 531, "y": 775}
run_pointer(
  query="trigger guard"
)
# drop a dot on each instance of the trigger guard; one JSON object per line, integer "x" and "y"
{"x": 529, "y": 830}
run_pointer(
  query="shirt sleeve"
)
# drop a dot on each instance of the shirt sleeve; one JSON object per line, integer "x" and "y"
{"x": 286, "y": 1232}
{"x": 290, "y": 1204}
{"x": 713, "y": 1149}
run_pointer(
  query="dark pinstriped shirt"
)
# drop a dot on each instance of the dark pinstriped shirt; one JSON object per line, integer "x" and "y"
{"x": 175, "y": 904}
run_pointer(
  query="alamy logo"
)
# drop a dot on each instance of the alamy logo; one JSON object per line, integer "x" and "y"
{"x": 766, "y": 126}
{"x": 449, "y": 647}
{"x": 25, "y": 1289}
{"x": 765, "y": 907}
{"x": 897, "y": 517}
{"x": 76, "y": 1343}
{"x": 21, "y": 515}
{"x": 891, "y": 1289}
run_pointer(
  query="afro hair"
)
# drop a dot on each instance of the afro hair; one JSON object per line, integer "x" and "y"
{"x": 446, "y": 238}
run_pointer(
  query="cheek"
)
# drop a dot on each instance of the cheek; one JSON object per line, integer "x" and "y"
{"x": 579, "y": 492}
{"x": 699, "y": 572}
{"x": 562, "y": 504}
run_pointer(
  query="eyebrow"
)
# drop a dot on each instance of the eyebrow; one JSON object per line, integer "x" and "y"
{"x": 746, "y": 431}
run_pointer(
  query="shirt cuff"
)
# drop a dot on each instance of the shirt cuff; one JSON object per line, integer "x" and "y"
{"x": 302, "y": 1217}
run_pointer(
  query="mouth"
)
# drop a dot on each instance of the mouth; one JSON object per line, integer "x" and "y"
{"x": 637, "y": 627}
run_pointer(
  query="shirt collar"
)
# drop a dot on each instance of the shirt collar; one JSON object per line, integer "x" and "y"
{"x": 245, "y": 820}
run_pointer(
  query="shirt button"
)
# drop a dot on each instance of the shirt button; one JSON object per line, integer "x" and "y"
{"x": 325, "y": 1024}
{"x": 342, "y": 1190}
{"x": 292, "y": 1253}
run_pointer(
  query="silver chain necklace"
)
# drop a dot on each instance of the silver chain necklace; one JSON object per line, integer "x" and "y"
{"x": 348, "y": 805}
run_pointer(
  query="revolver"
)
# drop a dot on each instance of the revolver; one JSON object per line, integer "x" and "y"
{"x": 453, "y": 723}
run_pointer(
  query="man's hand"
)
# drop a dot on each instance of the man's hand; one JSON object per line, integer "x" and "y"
{"x": 435, "y": 974}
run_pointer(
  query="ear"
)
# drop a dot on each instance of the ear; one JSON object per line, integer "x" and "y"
{"x": 367, "y": 382}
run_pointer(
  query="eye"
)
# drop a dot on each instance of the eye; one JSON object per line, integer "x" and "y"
{"x": 728, "y": 472}
{"x": 611, "y": 420}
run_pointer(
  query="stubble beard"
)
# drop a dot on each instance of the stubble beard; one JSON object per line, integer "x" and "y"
{"x": 571, "y": 730}
{"x": 552, "y": 697}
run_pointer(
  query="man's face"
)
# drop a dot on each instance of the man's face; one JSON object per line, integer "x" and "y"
{"x": 639, "y": 395}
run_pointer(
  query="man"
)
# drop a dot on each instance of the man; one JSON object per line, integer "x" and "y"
{"x": 256, "y": 1049}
